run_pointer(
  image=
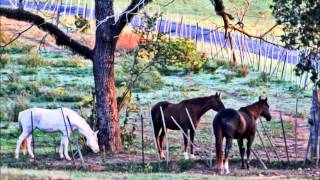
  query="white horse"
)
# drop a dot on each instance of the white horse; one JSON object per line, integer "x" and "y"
{"x": 53, "y": 121}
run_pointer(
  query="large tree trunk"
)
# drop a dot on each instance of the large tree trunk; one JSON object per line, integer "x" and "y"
{"x": 314, "y": 121}
{"x": 103, "y": 70}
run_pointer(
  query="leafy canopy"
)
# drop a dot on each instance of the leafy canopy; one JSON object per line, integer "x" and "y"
{"x": 301, "y": 21}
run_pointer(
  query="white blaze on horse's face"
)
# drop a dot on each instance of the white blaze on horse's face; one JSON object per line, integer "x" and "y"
{"x": 92, "y": 142}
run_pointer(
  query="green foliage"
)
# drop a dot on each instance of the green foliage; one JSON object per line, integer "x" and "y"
{"x": 47, "y": 82}
{"x": 185, "y": 164}
{"x": 127, "y": 133}
{"x": 262, "y": 80}
{"x": 59, "y": 94}
{"x": 17, "y": 47}
{"x": 301, "y": 23}
{"x": 74, "y": 62}
{"x": 4, "y": 60}
{"x": 163, "y": 51}
{"x": 20, "y": 104}
{"x": 241, "y": 70}
{"x": 228, "y": 77}
{"x": 238, "y": 70}
{"x": 32, "y": 60}
{"x": 148, "y": 82}
{"x": 29, "y": 71}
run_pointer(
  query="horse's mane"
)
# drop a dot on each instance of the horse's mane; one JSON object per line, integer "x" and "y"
{"x": 198, "y": 100}
{"x": 246, "y": 108}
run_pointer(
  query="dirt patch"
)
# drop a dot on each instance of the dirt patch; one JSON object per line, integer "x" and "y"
{"x": 127, "y": 40}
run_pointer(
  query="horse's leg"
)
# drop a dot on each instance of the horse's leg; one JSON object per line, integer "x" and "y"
{"x": 249, "y": 143}
{"x": 219, "y": 152}
{"x": 61, "y": 148}
{"x": 185, "y": 139}
{"x": 226, "y": 153}
{"x": 156, "y": 135}
{"x": 29, "y": 140}
{"x": 22, "y": 137}
{"x": 241, "y": 148}
{"x": 192, "y": 133}
{"x": 161, "y": 142}
{"x": 66, "y": 144}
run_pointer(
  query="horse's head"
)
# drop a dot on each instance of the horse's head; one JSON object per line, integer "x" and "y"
{"x": 92, "y": 142}
{"x": 216, "y": 103}
{"x": 265, "y": 108}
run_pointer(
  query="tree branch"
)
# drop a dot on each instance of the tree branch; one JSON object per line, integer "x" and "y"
{"x": 62, "y": 39}
{"x": 127, "y": 15}
{"x": 220, "y": 10}
{"x": 16, "y": 37}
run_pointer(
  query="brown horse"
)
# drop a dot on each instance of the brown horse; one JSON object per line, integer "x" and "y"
{"x": 241, "y": 124}
{"x": 196, "y": 107}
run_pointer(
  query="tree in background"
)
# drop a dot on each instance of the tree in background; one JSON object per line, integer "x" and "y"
{"x": 301, "y": 23}
{"x": 107, "y": 32}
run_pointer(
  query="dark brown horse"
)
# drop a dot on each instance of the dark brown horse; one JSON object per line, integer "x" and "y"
{"x": 241, "y": 124}
{"x": 196, "y": 107}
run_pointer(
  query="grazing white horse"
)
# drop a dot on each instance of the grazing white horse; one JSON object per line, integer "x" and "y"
{"x": 52, "y": 121}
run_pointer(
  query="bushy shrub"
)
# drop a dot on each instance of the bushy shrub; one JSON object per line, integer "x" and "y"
{"x": 228, "y": 76}
{"x": 60, "y": 94}
{"x": 32, "y": 60}
{"x": 262, "y": 80}
{"x": 29, "y": 71}
{"x": 264, "y": 77}
{"x": 14, "y": 88}
{"x": 74, "y": 61}
{"x": 21, "y": 104}
{"x": 47, "y": 82}
{"x": 69, "y": 98}
{"x": 179, "y": 52}
{"x": 17, "y": 48}
{"x": 4, "y": 60}
{"x": 149, "y": 81}
{"x": 32, "y": 87}
{"x": 242, "y": 70}
{"x": 52, "y": 94}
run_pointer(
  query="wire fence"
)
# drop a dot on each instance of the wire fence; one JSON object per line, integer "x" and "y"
{"x": 262, "y": 56}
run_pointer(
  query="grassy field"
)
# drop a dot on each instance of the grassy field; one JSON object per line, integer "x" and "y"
{"x": 78, "y": 175}
{"x": 258, "y": 16}
{"x": 54, "y": 79}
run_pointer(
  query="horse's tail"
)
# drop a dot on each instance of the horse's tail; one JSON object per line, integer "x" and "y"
{"x": 156, "y": 114}
{"x": 24, "y": 146}
{"x": 219, "y": 144}
{"x": 25, "y": 141}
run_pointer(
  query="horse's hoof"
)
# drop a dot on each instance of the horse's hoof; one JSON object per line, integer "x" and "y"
{"x": 220, "y": 171}
{"x": 186, "y": 156}
{"x": 192, "y": 156}
{"x": 17, "y": 157}
{"x": 68, "y": 158}
{"x": 226, "y": 171}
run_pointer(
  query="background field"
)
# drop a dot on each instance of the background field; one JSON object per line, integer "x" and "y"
{"x": 52, "y": 77}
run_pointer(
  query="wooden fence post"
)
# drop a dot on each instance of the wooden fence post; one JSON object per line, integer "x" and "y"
{"x": 295, "y": 132}
{"x": 33, "y": 139}
{"x": 284, "y": 137}
{"x": 264, "y": 147}
{"x": 270, "y": 140}
{"x": 154, "y": 138}
{"x": 166, "y": 134}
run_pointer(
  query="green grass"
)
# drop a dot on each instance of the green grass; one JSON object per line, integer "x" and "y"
{"x": 72, "y": 86}
{"x": 79, "y": 175}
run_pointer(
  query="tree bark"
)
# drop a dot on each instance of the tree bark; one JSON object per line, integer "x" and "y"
{"x": 103, "y": 70}
{"x": 314, "y": 121}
